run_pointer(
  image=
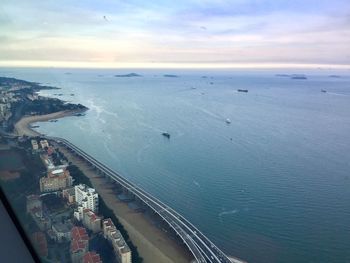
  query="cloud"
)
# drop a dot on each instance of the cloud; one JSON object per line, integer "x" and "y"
{"x": 176, "y": 32}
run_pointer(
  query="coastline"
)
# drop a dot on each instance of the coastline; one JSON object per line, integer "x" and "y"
{"x": 151, "y": 242}
{"x": 22, "y": 127}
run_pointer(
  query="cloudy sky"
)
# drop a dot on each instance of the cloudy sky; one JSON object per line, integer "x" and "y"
{"x": 112, "y": 33}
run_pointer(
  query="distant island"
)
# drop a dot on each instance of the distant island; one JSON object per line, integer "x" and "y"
{"x": 282, "y": 75}
{"x": 170, "y": 76}
{"x": 292, "y": 76}
{"x": 298, "y": 76}
{"x": 130, "y": 75}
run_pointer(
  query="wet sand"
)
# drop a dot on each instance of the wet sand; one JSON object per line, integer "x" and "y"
{"x": 152, "y": 243}
{"x": 22, "y": 126}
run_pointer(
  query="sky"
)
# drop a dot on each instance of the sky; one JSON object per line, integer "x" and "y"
{"x": 236, "y": 33}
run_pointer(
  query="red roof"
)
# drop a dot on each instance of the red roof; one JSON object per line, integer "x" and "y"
{"x": 80, "y": 239}
{"x": 77, "y": 245}
{"x": 79, "y": 233}
{"x": 92, "y": 257}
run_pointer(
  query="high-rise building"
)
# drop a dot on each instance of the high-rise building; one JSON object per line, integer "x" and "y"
{"x": 86, "y": 197}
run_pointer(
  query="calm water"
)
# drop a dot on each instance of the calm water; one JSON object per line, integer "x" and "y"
{"x": 273, "y": 186}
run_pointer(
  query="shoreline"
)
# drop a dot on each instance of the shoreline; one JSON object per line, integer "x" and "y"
{"x": 151, "y": 242}
{"x": 22, "y": 127}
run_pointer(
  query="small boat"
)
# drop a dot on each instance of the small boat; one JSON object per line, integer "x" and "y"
{"x": 166, "y": 134}
{"x": 323, "y": 90}
{"x": 228, "y": 121}
{"x": 242, "y": 90}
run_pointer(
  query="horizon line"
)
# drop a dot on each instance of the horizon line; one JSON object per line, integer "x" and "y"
{"x": 146, "y": 65}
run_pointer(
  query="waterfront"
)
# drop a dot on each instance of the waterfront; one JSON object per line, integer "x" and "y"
{"x": 278, "y": 191}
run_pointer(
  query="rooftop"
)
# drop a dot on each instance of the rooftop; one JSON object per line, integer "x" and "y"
{"x": 92, "y": 257}
{"x": 58, "y": 171}
{"x": 80, "y": 239}
{"x": 91, "y": 215}
{"x": 79, "y": 233}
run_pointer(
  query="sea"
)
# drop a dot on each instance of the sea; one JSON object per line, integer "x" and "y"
{"x": 271, "y": 184}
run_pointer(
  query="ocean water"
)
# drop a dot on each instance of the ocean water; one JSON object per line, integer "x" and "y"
{"x": 272, "y": 186}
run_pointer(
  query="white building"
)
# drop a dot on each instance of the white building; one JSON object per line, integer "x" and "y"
{"x": 86, "y": 197}
{"x": 35, "y": 144}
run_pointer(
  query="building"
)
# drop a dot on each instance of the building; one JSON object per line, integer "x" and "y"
{"x": 35, "y": 145}
{"x": 121, "y": 249}
{"x": 86, "y": 197}
{"x": 78, "y": 213}
{"x": 69, "y": 195}
{"x": 92, "y": 257}
{"x": 79, "y": 244}
{"x": 91, "y": 221}
{"x": 56, "y": 180}
{"x": 62, "y": 231}
{"x": 44, "y": 144}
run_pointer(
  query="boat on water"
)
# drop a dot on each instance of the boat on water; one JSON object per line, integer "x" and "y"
{"x": 323, "y": 90}
{"x": 166, "y": 134}
{"x": 228, "y": 121}
{"x": 242, "y": 90}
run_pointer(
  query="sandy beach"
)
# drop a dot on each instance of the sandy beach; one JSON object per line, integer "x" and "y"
{"x": 152, "y": 243}
{"x": 22, "y": 126}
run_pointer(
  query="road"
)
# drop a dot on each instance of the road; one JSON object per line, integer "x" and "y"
{"x": 200, "y": 246}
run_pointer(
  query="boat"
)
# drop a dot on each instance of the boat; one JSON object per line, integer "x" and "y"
{"x": 242, "y": 90}
{"x": 166, "y": 134}
{"x": 228, "y": 121}
{"x": 323, "y": 90}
